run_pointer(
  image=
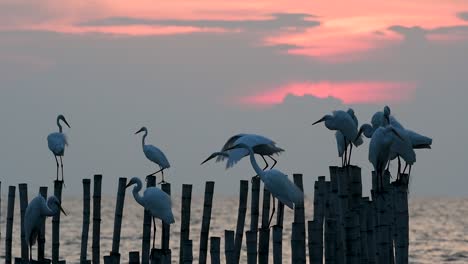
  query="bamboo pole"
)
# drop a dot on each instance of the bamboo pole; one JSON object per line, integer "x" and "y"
{"x": 402, "y": 220}
{"x": 251, "y": 237}
{"x": 23, "y": 194}
{"x": 229, "y": 246}
{"x": 363, "y": 230}
{"x": 243, "y": 192}
{"x": 119, "y": 206}
{"x": 205, "y": 227}
{"x": 41, "y": 238}
{"x": 264, "y": 238}
{"x": 277, "y": 244}
{"x": 371, "y": 232}
{"x": 315, "y": 246}
{"x": 215, "y": 244}
{"x": 254, "y": 215}
{"x": 147, "y": 222}
{"x": 319, "y": 216}
{"x": 56, "y": 224}
{"x": 188, "y": 249}
{"x": 299, "y": 218}
{"x": 330, "y": 241}
{"x": 296, "y": 244}
{"x": 353, "y": 245}
{"x": 185, "y": 217}
{"x": 166, "y": 231}
{"x": 134, "y": 257}
{"x": 86, "y": 217}
{"x": 9, "y": 225}
{"x": 96, "y": 218}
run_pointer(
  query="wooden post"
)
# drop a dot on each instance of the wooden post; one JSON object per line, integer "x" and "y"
{"x": 315, "y": 236}
{"x": 185, "y": 217}
{"x": 363, "y": 230}
{"x": 9, "y": 225}
{"x": 56, "y": 224}
{"x": 119, "y": 206}
{"x": 243, "y": 192}
{"x": 330, "y": 241}
{"x": 402, "y": 220}
{"x": 296, "y": 244}
{"x": 41, "y": 238}
{"x": 96, "y": 218}
{"x": 353, "y": 244}
{"x": 23, "y": 194}
{"x": 254, "y": 214}
{"x": 277, "y": 244}
{"x": 264, "y": 239}
{"x": 229, "y": 246}
{"x": 299, "y": 218}
{"x": 340, "y": 202}
{"x": 147, "y": 222}
{"x": 319, "y": 216}
{"x": 205, "y": 227}
{"x": 188, "y": 249}
{"x": 86, "y": 216}
{"x": 215, "y": 243}
{"x": 371, "y": 233}
{"x": 251, "y": 237}
{"x": 134, "y": 257}
{"x": 166, "y": 231}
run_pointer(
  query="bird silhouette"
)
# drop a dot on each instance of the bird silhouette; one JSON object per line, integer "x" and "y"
{"x": 57, "y": 142}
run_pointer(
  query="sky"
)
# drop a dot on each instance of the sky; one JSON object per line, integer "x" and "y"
{"x": 197, "y": 72}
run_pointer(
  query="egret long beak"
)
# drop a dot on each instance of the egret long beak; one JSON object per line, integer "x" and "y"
{"x": 61, "y": 209}
{"x": 215, "y": 154}
{"x": 66, "y": 123}
{"x": 321, "y": 120}
{"x": 359, "y": 133}
{"x": 207, "y": 159}
{"x": 128, "y": 185}
{"x": 139, "y": 131}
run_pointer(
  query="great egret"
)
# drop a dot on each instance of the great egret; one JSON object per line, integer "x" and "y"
{"x": 380, "y": 148}
{"x": 345, "y": 123}
{"x": 57, "y": 142}
{"x": 154, "y": 154}
{"x": 35, "y": 216}
{"x": 276, "y": 182}
{"x": 261, "y": 145}
{"x": 157, "y": 202}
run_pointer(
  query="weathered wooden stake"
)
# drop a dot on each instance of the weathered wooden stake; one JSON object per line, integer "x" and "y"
{"x": 9, "y": 225}
{"x": 330, "y": 241}
{"x": 215, "y": 244}
{"x": 229, "y": 246}
{"x": 86, "y": 217}
{"x": 402, "y": 220}
{"x": 277, "y": 244}
{"x": 41, "y": 238}
{"x": 363, "y": 229}
{"x": 251, "y": 237}
{"x": 96, "y": 218}
{"x": 296, "y": 244}
{"x": 119, "y": 206}
{"x": 371, "y": 232}
{"x": 188, "y": 249}
{"x": 166, "y": 231}
{"x": 23, "y": 194}
{"x": 205, "y": 227}
{"x": 56, "y": 224}
{"x": 353, "y": 245}
{"x": 244, "y": 189}
{"x": 264, "y": 239}
{"x": 319, "y": 216}
{"x": 185, "y": 217}
{"x": 134, "y": 257}
{"x": 147, "y": 222}
{"x": 299, "y": 219}
{"x": 315, "y": 237}
{"x": 340, "y": 203}
{"x": 254, "y": 214}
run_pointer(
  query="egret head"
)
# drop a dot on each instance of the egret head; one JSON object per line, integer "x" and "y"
{"x": 132, "y": 181}
{"x": 54, "y": 204}
{"x": 215, "y": 154}
{"x": 387, "y": 113}
{"x": 61, "y": 117}
{"x": 141, "y": 130}
{"x": 325, "y": 118}
{"x": 350, "y": 112}
{"x": 365, "y": 129}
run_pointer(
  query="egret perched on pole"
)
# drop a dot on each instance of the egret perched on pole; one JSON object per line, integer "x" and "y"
{"x": 154, "y": 154}
{"x": 57, "y": 142}
{"x": 261, "y": 145}
{"x": 276, "y": 182}
{"x": 345, "y": 123}
{"x": 157, "y": 202}
{"x": 35, "y": 216}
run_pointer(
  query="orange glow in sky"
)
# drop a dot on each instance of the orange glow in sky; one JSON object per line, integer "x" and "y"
{"x": 347, "y": 92}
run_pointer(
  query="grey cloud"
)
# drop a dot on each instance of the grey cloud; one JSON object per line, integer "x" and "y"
{"x": 279, "y": 20}
{"x": 463, "y": 15}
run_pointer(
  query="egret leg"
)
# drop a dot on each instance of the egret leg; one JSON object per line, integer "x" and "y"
{"x": 404, "y": 169}
{"x": 162, "y": 174}
{"x": 154, "y": 231}
{"x": 266, "y": 163}
{"x": 274, "y": 160}
{"x": 399, "y": 167}
{"x": 152, "y": 174}
{"x": 345, "y": 154}
{"x": 409, "y": 171}
{"x": 56, "y": 161}
{"x": 30, "y": 253}
{"x": 350, "y": 151}
{"x": 61, "y": 165}
{"x": 272, "y": 213}
{"x": 342, "y": 161}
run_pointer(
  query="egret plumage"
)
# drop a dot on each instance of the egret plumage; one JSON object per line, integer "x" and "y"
{"x": 35, "y": 215}
{"x": 261, "y": 145}
{"x": 154, "y": 154}
{"x": 57, "y": 142}
{"x": 276, "y": 182}
{"x": 346, "y": 126}
{"x": 157, "y": 202}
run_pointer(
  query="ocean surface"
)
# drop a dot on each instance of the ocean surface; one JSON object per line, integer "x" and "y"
{"x": 438, "y": 228}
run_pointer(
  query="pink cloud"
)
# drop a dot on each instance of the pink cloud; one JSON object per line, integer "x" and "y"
{"x": 356, "y": 92}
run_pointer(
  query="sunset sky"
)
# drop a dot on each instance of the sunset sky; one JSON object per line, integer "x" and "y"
{"x": 197, "y": 72}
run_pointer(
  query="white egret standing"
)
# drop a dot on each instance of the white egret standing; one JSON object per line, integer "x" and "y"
{"x": 35, "y": 216}
{"x": 276, "y": 182}
{"x": 344, "y": 123}
{"x": 57, "y": 142}
{"x": 342, "y": 144}
{"x": 157, "y": 202}
{"x": 261, "y": 145}
{"x": 154, "y": 154}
